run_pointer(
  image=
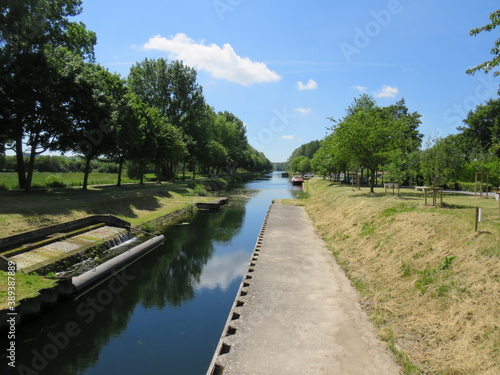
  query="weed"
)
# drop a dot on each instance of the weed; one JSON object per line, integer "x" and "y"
{"x": 427, "y": 277}
{"x": 446, "y": 263}
{"x": 149, "y": 227}
{"x": 400, "y": 208}
{"x": 367, "y": 228}
{"x": 361, "y": 285}
{"x": 407, "y": 269}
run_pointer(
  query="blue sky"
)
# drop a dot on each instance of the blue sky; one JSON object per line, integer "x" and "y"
{"x": 283, "y": 67}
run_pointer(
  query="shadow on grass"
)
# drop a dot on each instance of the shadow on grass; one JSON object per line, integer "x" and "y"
{"x": 108, "y": 199}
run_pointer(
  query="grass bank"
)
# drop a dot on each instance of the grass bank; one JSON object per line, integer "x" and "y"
{"x": 428, "y": 281}
{"x": 27, "y": 286}
{"x": 9, "y": 180}
{"x": 20, "y": 212}
{"x": 135, "y": 203}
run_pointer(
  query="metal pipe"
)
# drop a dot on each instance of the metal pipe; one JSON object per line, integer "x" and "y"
{"x": 86, "y": 279}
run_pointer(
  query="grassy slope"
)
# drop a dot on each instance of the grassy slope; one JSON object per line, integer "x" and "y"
{"x": 27, "y": 286}
{"x": 137, "y": 204}
{"x": 439, "y": 314}
{"x": 20, "y": 212}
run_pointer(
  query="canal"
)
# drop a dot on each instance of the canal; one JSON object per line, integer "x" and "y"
{"x": 164, "y": 313}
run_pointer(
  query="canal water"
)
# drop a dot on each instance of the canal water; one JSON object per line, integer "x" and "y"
{"x": 164, "y": 313}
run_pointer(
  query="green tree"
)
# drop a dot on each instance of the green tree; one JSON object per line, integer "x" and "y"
{"x": 308, "y": 150}
{"x": 401, "y": 165}
{"x": 327, "y": 160}
{"x": 490, "y": 64}
{"x": 39, "y": 48}
{"x": 131, "y": 133}
{"x": 482, "y": 127}
{"x": 362, "y": 137}
{"x": 217, "y": 156}
{"x": 441, "y": 160}
{"x": 171, "y": 87}
{"x": 369, "y": 136}
{"x": 95, "y": 109}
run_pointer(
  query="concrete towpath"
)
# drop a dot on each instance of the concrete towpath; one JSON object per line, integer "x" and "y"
{"x": 296, "y": 312}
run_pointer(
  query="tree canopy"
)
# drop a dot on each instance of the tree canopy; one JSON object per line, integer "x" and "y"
{"x": 54, "y": 97}
{"x": 488, "y": 65}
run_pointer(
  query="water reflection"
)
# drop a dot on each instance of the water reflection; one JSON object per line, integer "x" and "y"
{"x": 222, "y": 270}
{"x": 165, "y": 313}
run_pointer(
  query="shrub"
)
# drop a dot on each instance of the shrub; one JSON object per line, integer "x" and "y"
{"x": 53, "y": 181}
{"x": 467, "y": 186}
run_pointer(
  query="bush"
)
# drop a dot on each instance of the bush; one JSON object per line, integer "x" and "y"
{"x": 467, "y": 186}
{"x": 200, "y": 190}
{"x": 215, "y": 184}
{"x": 53, "y": 181}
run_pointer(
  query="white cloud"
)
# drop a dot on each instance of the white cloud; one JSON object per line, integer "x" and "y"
{"x": 288, "y": 137}
{"x": 303, "y": 111}
{"x": 221, "y": 63}
{"x": 222, "y": 270}
{"x": 360, "y": 88}
{"x": 310, "y": 85}
{"x": 387, "y": 92}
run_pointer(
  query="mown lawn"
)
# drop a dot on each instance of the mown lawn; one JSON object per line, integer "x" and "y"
{"x": 8, "y": 180}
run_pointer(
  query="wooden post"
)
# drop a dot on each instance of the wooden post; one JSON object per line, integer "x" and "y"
{"x": 425, "y": 191}
{"x": 477, "y": 219}
{"x": 475, "y": 186}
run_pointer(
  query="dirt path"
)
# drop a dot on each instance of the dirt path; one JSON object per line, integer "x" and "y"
{"x": 299, "y": 314}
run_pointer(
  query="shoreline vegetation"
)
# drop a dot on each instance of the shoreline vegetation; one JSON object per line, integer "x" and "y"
{"x": 135, "y": 203}
{"x": 428, "y": 281}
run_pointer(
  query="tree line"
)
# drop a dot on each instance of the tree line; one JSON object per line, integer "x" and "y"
{"x": 371, "y": 139}
{"x": 55, "y": 97}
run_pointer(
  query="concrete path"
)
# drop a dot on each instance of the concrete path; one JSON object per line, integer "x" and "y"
{"x": 296, "y": 312}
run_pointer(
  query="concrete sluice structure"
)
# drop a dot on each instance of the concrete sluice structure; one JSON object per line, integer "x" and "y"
{"x": 81, "y": 253}
{"x": 58, "y": 248}
{"x": 51, "y": 256}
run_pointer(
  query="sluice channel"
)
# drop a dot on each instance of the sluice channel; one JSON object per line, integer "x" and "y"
{"x": 162, "y": 314}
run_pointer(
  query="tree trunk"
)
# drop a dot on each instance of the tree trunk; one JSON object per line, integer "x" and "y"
{"x": 120, "y": 169}
{"x": 171, "y": 171}
{"x": 372, "y": 180}
{"x": 142, "y": 173}
{"x": 31, "y": 167}
{"x": 86, "y": 172}
{"x": 21, "y": 168}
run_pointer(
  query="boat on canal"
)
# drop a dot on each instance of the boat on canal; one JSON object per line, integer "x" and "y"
{"x": 297, "y": 180}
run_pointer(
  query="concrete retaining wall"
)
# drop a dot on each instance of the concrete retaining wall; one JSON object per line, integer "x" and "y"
{"x": 34, "y": 235}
